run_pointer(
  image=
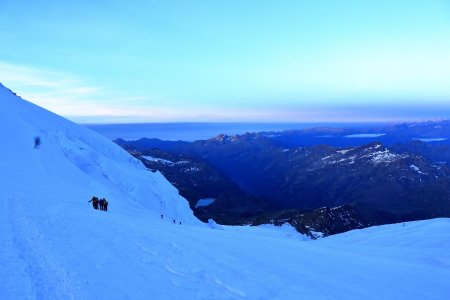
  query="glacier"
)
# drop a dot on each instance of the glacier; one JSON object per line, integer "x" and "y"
{"x": 53, "y": 245}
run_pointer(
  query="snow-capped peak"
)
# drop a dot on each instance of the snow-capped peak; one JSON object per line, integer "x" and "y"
{"x": 373, "y": 153}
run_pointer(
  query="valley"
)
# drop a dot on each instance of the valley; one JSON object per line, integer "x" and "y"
{"x": 270, "y": 177}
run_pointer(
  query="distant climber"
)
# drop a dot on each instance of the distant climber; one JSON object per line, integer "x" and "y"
{"x": 94, "y": 201}
{"x": 180, "y": 222}
{"x": 101, "y": 203}
{"x": 162, "y": 216}
{"x": 174, "y": 221}
{"x": 105, "y": 204}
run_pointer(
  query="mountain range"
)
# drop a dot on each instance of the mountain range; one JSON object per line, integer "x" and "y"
{"x": 408, "y": 178}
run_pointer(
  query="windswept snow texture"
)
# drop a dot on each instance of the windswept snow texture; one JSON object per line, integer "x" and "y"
{"x": 53, "y": 245}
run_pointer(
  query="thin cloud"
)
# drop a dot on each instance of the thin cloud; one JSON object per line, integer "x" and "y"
{"x": 67, "y": 95}
{"x": 23, "y": 76}
{"x": 60, "y": 92}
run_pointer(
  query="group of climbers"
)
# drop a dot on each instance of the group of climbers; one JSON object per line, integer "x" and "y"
{"x": 102, "y": 203}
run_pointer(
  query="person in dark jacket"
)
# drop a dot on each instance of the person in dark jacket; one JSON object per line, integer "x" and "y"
{"x": 94, "y": 201}
{"x": 101, "y": 202}
{"x": 105, "y": 204}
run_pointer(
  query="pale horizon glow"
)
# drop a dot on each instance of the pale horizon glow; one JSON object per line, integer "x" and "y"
{"x": 258, "y": 61}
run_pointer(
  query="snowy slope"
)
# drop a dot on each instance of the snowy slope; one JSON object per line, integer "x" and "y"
{"x": 53, "y": 245}
{"x": 73, "y": 163}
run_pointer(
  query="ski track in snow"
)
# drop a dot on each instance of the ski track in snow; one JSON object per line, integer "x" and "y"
{"x": 48, "y": 279}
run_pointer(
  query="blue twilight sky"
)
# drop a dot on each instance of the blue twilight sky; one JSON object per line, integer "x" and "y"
{"x": 270, "y": 61}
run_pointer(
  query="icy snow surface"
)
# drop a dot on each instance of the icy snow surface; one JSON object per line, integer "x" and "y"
{"x": 158, "y": 160}
{"x": 384, "y": 156}
{"x": 53, "y": 245}
{"x": 416, "y": 168}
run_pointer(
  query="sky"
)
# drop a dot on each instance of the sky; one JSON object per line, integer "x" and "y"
{"x": 229, "y": 61}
